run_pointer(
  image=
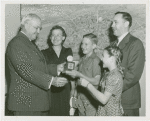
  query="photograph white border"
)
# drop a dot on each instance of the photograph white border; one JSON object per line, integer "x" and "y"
{"x": 74, "y": 118}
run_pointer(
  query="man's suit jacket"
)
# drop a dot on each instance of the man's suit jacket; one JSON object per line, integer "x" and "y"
{"x": 133, "y": 62}
{"x": 29, "y": 76}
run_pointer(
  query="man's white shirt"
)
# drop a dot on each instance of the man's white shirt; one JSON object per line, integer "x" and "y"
{"x": 121, "y": 37}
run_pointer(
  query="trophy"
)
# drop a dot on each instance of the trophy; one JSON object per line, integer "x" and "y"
{"x": 70, "y": 65}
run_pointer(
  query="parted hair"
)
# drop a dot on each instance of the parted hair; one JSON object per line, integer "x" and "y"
{"x": 92, "y": 37}
{"x": 117, "y": 53}
{"x": 126, "y": 16}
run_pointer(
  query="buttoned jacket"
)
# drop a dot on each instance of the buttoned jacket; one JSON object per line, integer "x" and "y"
{"x": 133, "y": 62}
{"x": 30, "y": 76}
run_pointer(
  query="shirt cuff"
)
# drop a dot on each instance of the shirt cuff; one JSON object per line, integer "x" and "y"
{"x": 51, "y": 82}
{"x": 58, "y": 73}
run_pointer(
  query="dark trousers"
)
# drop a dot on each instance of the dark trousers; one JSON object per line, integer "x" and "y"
{"x": 30, "y": 113}
{"x": 131, "y": 112}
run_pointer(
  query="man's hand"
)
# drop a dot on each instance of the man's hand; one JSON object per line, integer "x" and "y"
{"x": 73, "y": 73}
{"x": 59, "y": 81}
{"x": 60, "y": 67}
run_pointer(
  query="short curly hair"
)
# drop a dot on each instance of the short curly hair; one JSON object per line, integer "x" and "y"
{"x": 29, "y": 17}
{"x": 50, "y": 34}
{"x": 92, "y": 37}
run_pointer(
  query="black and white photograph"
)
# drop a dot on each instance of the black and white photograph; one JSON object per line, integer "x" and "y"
{"x": 69, "y": 60}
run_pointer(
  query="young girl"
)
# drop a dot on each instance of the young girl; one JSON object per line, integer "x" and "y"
{"x": 112, "y": 82}
{"x": 89, "y": 69}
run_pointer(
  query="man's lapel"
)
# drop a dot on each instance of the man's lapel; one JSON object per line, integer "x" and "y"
{"x": 125, "y": 40}
{"x": 31, "y": 45}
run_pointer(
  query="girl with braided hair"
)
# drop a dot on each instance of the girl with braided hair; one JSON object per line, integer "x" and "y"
{"x": 111, "y": 84}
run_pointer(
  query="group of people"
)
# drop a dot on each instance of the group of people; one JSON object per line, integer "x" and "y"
{"x": 39, "y": 86}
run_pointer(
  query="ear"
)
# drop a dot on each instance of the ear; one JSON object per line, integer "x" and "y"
{"x": 126, "y": 23}
{"x": 112, "y": 59}
{"x": 63, "y": 38}
{"x": 26, "y": 26}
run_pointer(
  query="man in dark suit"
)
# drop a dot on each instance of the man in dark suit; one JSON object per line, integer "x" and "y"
{"x": 133, "y": 62}
{"x": 30, "y": 76}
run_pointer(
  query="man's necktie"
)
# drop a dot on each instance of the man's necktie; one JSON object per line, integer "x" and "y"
{"x": 116, "y": 42}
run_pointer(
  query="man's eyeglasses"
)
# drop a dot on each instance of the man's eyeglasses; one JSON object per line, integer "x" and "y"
{"x": 37, "y": 27}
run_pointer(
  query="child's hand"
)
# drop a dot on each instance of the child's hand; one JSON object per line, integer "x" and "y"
{"x": 83, "y": 82}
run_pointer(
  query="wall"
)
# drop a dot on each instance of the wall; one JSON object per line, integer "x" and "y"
{"x": 12, "y": 21}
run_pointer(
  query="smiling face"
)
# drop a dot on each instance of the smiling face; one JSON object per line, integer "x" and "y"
{"x": 57, "y": 37}
{"x": 87, "y": 46}
{"x": 119, "y": 25}
{"x": 33, "y": 28}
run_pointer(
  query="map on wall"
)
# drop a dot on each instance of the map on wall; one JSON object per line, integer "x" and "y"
{"x": 78, "y": 19}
